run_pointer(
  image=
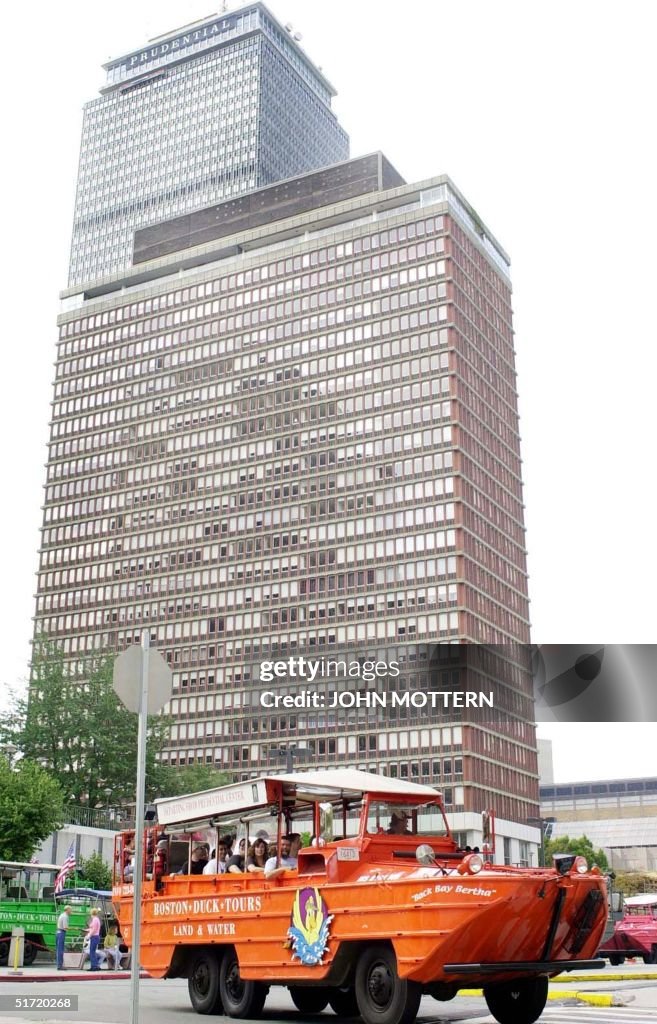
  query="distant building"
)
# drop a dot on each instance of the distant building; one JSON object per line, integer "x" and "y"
{"x": 545, "y": 762}
{"x": 203, "y": 113}
{"x": 617, "y": 815}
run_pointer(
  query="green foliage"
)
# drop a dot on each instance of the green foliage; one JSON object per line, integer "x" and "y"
{"x": 78, "y": 730}
{"x": 306, "y": 838}
{"x": 192, "y": 778}
{"x": 582, "y": 847}
{"x": 96, "y": 872}
{"x": 30, "y": 808}
{"x": 635, "y": 883}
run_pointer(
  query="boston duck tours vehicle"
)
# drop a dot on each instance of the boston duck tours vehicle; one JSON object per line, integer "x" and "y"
{"x": 636, "y": 933}
{"x": 370, "y": 920}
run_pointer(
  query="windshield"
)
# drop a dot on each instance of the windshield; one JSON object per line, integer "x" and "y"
{"x": 405, "y": 819}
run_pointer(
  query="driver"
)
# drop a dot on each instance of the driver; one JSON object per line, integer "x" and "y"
{"x": 399, "y": 824}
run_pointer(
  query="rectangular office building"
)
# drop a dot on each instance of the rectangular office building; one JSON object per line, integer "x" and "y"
{"x": 290, "y": 428}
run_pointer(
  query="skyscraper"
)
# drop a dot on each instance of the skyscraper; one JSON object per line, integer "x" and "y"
{"x": 291, "y": 427}
{"x": 207, "y": 112}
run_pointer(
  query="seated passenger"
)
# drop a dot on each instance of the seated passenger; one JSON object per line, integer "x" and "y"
{"x": 199, "y": 860}
{"x": 217, "y": 864}
{"x": 257, "y": 855}
{"x": 235, "y": 863}
{"x": 288, "y": 859}
{"x": 399, "y": 824}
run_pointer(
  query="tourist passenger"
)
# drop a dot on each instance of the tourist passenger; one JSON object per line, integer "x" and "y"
{"x": 217, "y": 864}
{"x": 200, "y": 859}
{"x": 288, "y": 860}
{"x": 257, "y": 855}
{"x": 235, "y": 863}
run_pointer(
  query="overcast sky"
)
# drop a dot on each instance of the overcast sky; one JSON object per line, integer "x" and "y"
{"x": 543, "y": 115}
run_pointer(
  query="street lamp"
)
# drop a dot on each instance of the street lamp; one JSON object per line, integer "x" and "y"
{"x": 545, "y": 826}
{"x": 108, "y": 792}
{"x": 290, "y": 751}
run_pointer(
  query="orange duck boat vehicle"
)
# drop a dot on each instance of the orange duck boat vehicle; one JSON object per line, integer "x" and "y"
{"x": 368, "y": 921}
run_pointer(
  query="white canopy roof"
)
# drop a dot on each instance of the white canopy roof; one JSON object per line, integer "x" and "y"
{"x": 645, "y": 900}
{"x": 350, "y": 783}
{"x": 245, "y": 798}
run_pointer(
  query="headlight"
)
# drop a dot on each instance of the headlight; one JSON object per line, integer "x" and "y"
{"x": 581, "y": 865}
{"x": 471, "y": 865}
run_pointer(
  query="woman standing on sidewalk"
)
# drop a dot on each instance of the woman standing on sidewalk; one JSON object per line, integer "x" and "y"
{"x": 93, "y": 933}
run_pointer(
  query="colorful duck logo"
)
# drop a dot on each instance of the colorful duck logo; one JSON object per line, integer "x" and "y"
{"x": 308, "y": 933}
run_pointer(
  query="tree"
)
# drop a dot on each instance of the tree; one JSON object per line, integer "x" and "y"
{"x": 95, "y": 871}
{"x": 192, "y": 778}
{"x": 582, "y": 847}
{"x": 30, "y": 808}
{"x": 78, "y": 730}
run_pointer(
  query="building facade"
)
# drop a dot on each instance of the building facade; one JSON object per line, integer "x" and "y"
{"x": 207, "y": 112}
{"x": 617, "y": 815}
{"x": 299, "y": 436}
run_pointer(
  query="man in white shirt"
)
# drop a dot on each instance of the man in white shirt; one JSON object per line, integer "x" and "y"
{"x": 288, "y": 859}
{"x": 63, "y": 922}
{"x": 217, "y": 866}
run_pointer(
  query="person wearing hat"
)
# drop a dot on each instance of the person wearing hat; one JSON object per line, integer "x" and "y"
{"x": 63, "y": 922}
{"x": 398, "y": 824}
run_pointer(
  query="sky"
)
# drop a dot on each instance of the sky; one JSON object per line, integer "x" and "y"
{"x": 543, "y": 116}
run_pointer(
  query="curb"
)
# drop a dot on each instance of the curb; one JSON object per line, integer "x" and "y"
{"x": 563, "y": 979}
{"x": 42, "y": 976}
{"x": 592, "y": 998}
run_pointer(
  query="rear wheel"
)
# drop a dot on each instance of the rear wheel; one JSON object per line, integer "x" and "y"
{"x": 239, "y": 998}
{"x": 4, "y": 951}
{"x": 651, "y": 958}
{"x": 203, "y": 983}
{"x": 517, "y": 1002}
{"x": 343, "y": 1002}
{"x": 615, "y": 960}
{"x": 29, "y": 953}
{"x": 383, "y": 997}
{"x": 309, "y": 1000}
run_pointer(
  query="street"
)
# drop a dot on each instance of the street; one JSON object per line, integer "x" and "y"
{"x": 106, "y": 1001}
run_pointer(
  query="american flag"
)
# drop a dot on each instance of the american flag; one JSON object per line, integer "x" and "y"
{"x": 67, "y": 866}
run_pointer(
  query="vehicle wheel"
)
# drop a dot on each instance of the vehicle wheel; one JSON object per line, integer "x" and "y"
{"x": 517, "y": 1002}
{"x": 239, "y": 998}
{"x": 651, "y": 958}
{"x": 616, "y": 960}
{"x": 29, "y": 953}
{"x": 203, "y": 983}
{"x": 309, "y": 1000}
{"x": 383, "y": 997}
{"x": 343, "y": 1002}
{"x": 4, "y": 951}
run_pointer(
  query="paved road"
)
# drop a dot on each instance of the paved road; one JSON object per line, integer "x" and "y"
{"x": 166, "y": 1002}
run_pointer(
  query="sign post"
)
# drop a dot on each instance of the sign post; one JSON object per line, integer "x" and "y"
{"x": 142, "y": 680}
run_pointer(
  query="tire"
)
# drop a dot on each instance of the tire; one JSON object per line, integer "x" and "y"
{"x": 383, "y": 997}
{"x": 615, "y": 960}
{"x": 309, "y": 1000}
{"x": 4, "y": 951}
{"x": 203, "y": 983}
{"x": 650, "y": 958}
{"x": 239, "y": 998}
{"x": 343, "y": 1002}
{"x": 517, "y": 1002}
{"x": 29, "y": 953}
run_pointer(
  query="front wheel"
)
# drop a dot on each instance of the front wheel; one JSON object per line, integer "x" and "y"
{"x": 616, "y": 960}
{"x": 203, "y": 983}
{"x": 309, "y": 1000}
{"x": 517, "y": 1002}
{"x": 343, "y": 1002}
{"x": 383, "y": 997}
{"x": 240, "y": 998}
